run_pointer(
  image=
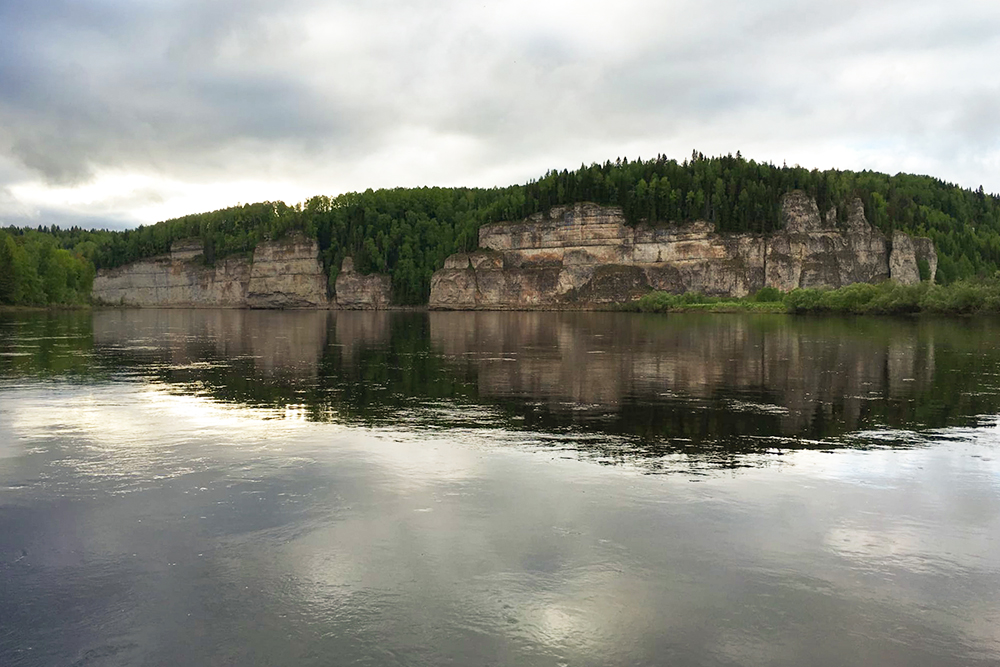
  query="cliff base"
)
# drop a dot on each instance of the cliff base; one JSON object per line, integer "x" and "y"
{"x": 585, "y": 256}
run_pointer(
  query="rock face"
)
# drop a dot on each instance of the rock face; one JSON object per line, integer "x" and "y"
{"x": 167, "y": 281}
{"x": 585, "y": 256}
{"x": 907, "y": 254}
{"x": 359, "y": 292}
{"x": 287, "y": 274}
{"x": 281, "y": 274}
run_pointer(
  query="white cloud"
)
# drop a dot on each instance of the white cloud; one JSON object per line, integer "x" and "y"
{"x": 211, "y": 104}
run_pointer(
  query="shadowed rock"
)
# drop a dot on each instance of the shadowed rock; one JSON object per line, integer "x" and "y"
{"x": 360, "y": 292}
{"x": 585, "y": 256}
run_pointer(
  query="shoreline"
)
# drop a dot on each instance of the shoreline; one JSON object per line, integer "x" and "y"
{"x": 8, "y": 308}
{"x": 963, "y": 299}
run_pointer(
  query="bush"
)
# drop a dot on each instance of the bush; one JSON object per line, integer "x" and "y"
{"x": 656, "y": 302}
{"x": 804, "y": 300}
{"x": 854, "y": 298}
{"x": 768, "y": 295}
{"x": 891, "y": 298}
{"x": 661, "y": 302}
{"x": 962, "y": 297}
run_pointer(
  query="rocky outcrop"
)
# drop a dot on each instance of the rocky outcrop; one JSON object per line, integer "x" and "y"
{"x": 585, "y": 256}
{"x": 287, "y": 275}
{"x": 174, "y": 281}
{"x": 356, "y": 291}
{"x": 281, "y": 274}
{"x": 907, "y": 255}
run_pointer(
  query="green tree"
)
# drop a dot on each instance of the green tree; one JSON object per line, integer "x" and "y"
{"x": 8, "y": 275}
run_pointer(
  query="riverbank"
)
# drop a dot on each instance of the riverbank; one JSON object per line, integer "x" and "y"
{"x": 966, "y": 297}
{"x": 8, "y": 308}
{"x": 961, "y": 298}
{"x": 767, "y": 300}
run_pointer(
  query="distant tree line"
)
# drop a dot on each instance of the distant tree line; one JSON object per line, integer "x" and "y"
{"x": 408, "y": 232}
{"x": 36, "y": 271}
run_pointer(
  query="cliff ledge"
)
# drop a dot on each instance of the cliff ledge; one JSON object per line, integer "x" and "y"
{"x": 281, "y": 274}
{"x": 585, "y": 256}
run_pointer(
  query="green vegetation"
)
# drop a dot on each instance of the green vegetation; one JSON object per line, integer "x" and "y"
{"x": 767, "y": 300}
{"x": 964, "y": 297}
{"x": 35, "y": 271}
{"x": 408, "y": 232}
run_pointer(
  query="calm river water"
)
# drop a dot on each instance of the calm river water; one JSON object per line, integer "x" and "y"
{"x": 310, "y": 488}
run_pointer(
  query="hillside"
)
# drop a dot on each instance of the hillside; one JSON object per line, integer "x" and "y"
{"x": 408, "y": 232}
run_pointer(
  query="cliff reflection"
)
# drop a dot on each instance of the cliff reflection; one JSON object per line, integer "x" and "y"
{"x": 278, "y": 343}
{"x": 613, "y": 382}
{"x": 702, "y": 377}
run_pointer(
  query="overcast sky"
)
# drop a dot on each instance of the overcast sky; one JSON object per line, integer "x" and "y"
{"x": 120, "y": 112}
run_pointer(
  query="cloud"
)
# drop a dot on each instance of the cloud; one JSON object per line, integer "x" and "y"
{"x": 147, "y": 87}
{"x": 311, "y": 96}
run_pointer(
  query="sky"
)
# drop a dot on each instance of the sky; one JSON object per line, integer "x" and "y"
{"x": 115, "y": 113}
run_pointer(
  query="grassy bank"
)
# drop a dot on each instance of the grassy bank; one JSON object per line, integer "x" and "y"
{"x": 6, "y": 308}
{"x": 766, "y": 301}
{"x": 964, "y": 297}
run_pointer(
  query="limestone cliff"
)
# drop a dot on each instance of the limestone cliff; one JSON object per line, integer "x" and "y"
{"x": 170, "y": 281}
{"x": 287, "y": 274}
{"x": 360, "y": 292}
{"x": 585, "y": 255}
{"x": 281, "y": 274}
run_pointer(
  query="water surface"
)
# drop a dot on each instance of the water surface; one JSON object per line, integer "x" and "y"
{"x": 302, "y": 488}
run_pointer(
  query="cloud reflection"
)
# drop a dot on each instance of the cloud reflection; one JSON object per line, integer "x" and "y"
{"x": 288, "y": 539}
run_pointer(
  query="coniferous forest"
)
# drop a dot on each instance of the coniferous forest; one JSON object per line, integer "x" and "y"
{"x": 408, "y": 232}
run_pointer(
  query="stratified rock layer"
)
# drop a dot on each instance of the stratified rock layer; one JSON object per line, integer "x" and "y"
{"x": 287, "y": 274}
{"x": 356, "y": 291}
{"x": 281, "y": 274}
{"x": 585, "y": 256}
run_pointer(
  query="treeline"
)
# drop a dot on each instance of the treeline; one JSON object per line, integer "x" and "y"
{"x": 36, "y": 271}
{"x": 228, "y": 231}
{"x": 740, "y": 195}
{"x": 408, "y": 232}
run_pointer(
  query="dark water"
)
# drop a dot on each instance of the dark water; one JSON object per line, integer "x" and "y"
{"x": 256, "y": 488}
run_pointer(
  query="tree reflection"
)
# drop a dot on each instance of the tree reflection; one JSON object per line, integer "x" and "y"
{"x": 615, "y": 385}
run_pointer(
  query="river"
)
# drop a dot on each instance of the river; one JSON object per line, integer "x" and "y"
{"x": 225, "y": 487}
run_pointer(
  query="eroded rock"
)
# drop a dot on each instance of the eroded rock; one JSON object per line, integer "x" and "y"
{"x": 360, "y": 292}
{"x": 287, "y": 274}
{"x": 281, "y": 274}
{"x": 585, "y": 256}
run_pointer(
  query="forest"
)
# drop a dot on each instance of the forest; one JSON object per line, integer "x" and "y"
{"x": 408, "y": 232}
{"x": 35, "y": 269}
